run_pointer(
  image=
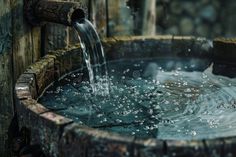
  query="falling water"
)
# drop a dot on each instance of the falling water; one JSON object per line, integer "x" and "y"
{"x": 93, "y": 56}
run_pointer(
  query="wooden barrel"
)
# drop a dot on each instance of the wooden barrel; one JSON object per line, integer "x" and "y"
{"x": 60, "y": 136}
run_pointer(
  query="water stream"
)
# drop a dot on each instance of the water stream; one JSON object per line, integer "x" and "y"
{"x": 94, "y": 57}
{"x": 162, "y": 98}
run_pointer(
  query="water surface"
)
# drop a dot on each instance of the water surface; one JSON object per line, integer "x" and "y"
{"x": 158, "y": 98}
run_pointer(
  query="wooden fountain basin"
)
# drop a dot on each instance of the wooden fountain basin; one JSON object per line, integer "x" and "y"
{"x": 60, "y": 136}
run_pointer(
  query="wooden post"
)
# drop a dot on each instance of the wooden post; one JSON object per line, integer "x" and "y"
{"x": 25, "y": 41}
{"x": 19, "y": 47}
{"x": 6, "y": 85}
{"x": 126, "y": 21}
{"x": 148, "y": 17}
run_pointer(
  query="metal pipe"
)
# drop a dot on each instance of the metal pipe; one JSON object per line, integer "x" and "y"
{"x": 39, "y": 11}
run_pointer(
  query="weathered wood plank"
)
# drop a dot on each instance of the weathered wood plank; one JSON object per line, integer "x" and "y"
{"x": 47, "y": 125}
{"x": 149, "y": 18}
{"x": 26, "y": 41}
{"x": 144, "y": 12}
{"x": 36, "y": 43}
{"x": 225, "y": 49}
{"x": 56, "y": 37}
{"x": 43, "y": 70}
{"x": 6, "y": 107}
{"x": 19, "y": 47}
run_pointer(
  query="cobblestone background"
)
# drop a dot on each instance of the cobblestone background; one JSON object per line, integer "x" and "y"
{"x": 207, "y": 18}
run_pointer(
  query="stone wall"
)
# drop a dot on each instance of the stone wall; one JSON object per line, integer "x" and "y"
{"x": 207, "y": 18}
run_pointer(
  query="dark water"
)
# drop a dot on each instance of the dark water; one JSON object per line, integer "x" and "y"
{"x": 93, "y": 54}
{"x": 164, "y": 99}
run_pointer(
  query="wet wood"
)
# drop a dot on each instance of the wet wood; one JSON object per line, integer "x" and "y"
{"x": 26, "y": 86}
{"x": 6, "y": 99}
{"x": 225, "y": 49}
{"x": 148, "y": 17}
{"x": 56, "y": 37}
{"x": 60, "y": 12}
{"x": 67, "y": 60}
{"x": 43, "y": 71}
{"x": 47, "y": 125}
{"x": 19, "y": 47}
{"x": 59, "y": 136}
{"x": 6, "y": 84}
{"x": 172, "y": 46}
{"x": 26, "y": 40}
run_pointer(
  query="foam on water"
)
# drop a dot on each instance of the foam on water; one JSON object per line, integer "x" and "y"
{"x": 164, "y": 99}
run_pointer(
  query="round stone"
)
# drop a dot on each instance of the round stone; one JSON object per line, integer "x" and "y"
{"x": 202, "y": 30}
{"x": 189, "y": 8}
{"x": 208, "y": 13}
{"x": 186, "y": 26}
{"x": 174, "y": 30}
{"x": 176, "y": 7}
{"x": 159, "y": 11}
{"x": 204, "y": 2}
{"x": 217, "y": 29}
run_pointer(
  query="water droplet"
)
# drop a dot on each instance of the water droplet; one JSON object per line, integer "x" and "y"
{"x": 187, "y": 90}
{"x": 176, "y": 109}
{"x": 99, "y": 115}
{"x": 204, "y": 76}
{"x": 193, "y": 133}
{"x": 118, "y": 120}
{"x": 150, "y": 111}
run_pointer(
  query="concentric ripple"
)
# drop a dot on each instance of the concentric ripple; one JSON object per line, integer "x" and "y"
{"x": 164, "y": 99}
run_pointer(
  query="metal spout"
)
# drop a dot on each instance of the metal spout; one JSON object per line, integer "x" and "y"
{"x": 39, "y": 11}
